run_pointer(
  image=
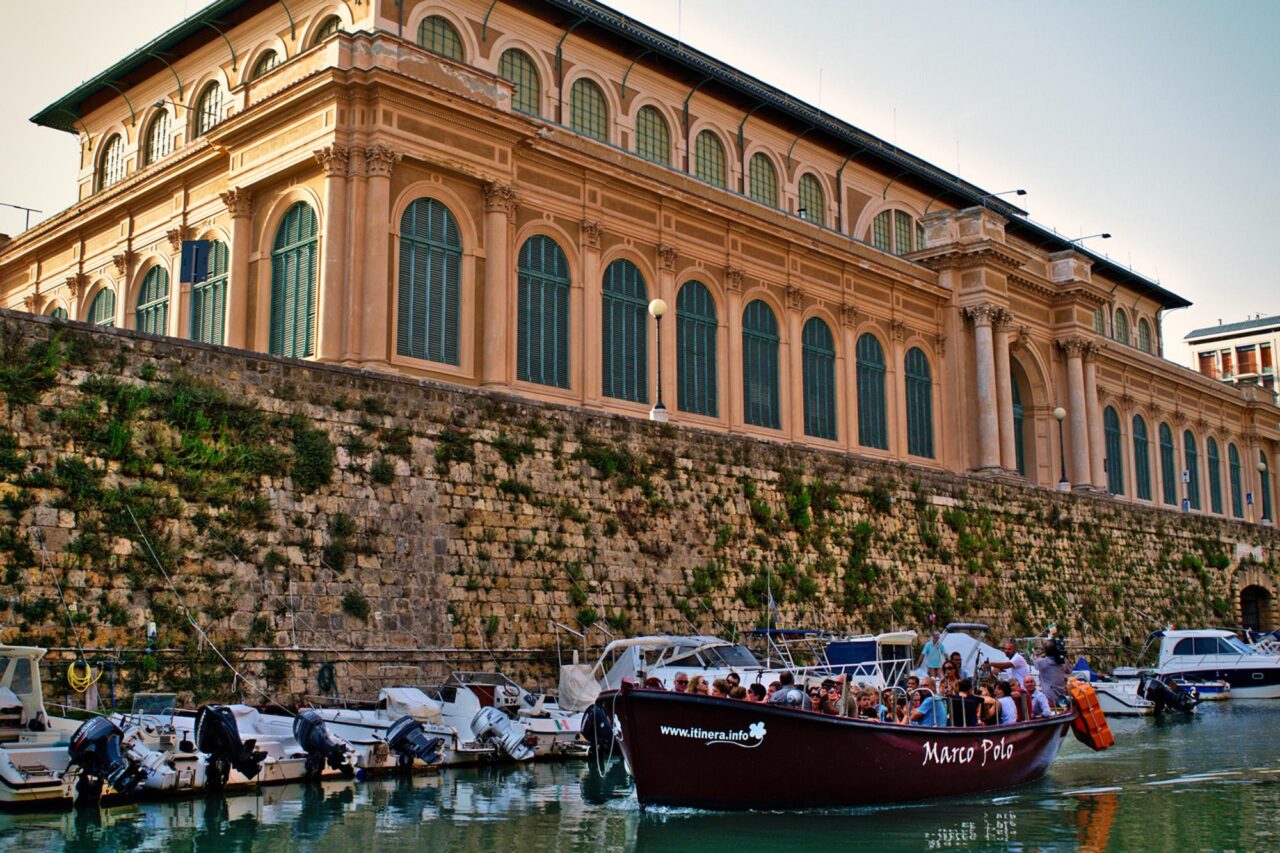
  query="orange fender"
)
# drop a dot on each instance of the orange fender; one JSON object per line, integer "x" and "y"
{"x": 1090, "y": 725}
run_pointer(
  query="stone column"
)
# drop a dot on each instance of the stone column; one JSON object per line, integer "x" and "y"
{"x": 667, "y": 259}
{"x": 591, "y": 307}
{"x": 180, "y": 291}
{"x": 1004, "y": 391}
{"x": 1093, "y": 410}
{"x": 499, "y": 209}
{"x": 985, "y": 367}
{"x": 357, "y": 180}
{"x": 332, "y": 304}
{"x": 733, "y": 286}
{"x": 240, "y": 205}
{"x": 849, "y": 419}
{"x": 1078, "y": 470}
{"x": 374, "y": 316}
{"x": 793, "y": 425}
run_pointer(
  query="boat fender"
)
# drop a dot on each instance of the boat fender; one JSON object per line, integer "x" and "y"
{"x": 493, "y": 725}
{"x": 321, "y": 746}
{"x": 409, "y": 740}
{"x": 218, "y": 737}
{"x": 96, "y": 748}
{"x": 1090, "y": 724}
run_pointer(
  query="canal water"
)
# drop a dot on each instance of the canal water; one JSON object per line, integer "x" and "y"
{"x": 1208, "y": 782}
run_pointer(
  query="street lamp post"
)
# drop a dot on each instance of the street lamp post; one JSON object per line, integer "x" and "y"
{"x": 659, "y": 412}
{"x": 1064, "y": 485}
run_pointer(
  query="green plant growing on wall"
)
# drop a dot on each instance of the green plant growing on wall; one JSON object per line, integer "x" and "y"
{"x": 383, "y": 471}
{"x": 27, "y": 372}
{"x": 355, "y": 605}
{"x": 313, "y": 456}
{"x": 453, "y": 445}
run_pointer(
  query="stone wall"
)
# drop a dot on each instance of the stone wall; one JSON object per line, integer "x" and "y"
{"x": 308, "y": 513}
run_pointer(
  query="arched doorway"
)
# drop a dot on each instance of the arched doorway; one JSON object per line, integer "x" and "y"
{"x": 1255, "y": 608}
{"x": 1024, "y": 426}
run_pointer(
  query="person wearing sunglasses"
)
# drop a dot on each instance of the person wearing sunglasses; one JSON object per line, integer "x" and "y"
{"x": 682, "y": 682}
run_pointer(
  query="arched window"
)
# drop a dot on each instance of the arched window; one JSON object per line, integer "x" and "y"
{"x": 1144, "y": 335}
{"x": 918, "y": 381}
{"x": 438, "y": 36}
{"x": 210, "y": 108}
{"x": 1141, "y": 458}
{"x": 102, "y": 310}
{"x": 1019, "y": 445}
{"x": 58, "y": 313}
{"x": 517, "y": 68}
{"x": 209, "y": 298}
{"x": 760, "y": 405}
{"x": 331, "y": 25}
{"x": 1100, "y": 321}
{"x": 881, "y": 228}
{"x": 1115, "y": 457}
{"x": 895, "y": 231}
{"x": 1193, "y": 469}
{"x": 653, "y": 138}
{"x": 813, "y": 206}
{"x": 818, "y": 353}
{"x": 709, "y": 162}
{"x": 293, "y": 284}
{"x": 1266, "y": 486}
{"x": 588, "y": 113}
{"x": 697, "y": 386}
{"x": 763, "y": 184}
{"x": 902, "y": 232}
{"x": 542, "y": 313}
{"x": 152, "y": 313}
{"x": 1168, "y": 471}
{"x": 111, "y": 162}
{"x": 1121, "y": 326}
{"x": 1215, "y": 474}
{"x": 1237, "y": 492}
{"x": 625, "y": 333}
{"x": 430, "y": 282}
{"x": 159, "y": 140}
{"x": 873, "y": 428}
{"x": 270, "y": 59}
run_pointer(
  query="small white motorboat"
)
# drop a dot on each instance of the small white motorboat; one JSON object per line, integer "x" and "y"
{"x": 549, "y": 730}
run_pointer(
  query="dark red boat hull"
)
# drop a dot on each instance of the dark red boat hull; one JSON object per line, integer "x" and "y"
{"x": 695, "y": 751}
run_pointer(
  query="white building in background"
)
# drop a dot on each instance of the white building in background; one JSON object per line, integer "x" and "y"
{"x": 1241, "y": 353}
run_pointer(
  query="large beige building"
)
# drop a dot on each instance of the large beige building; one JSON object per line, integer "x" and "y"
{"x": 491, "y": 192}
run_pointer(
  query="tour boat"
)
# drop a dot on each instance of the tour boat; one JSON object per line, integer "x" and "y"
{"x": 695, "y": 751}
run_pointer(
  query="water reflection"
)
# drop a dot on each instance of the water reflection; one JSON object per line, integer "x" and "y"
{"x": 1211, "y": 781}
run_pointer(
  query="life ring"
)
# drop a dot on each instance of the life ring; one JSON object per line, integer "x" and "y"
{"x": 1090, "y": 725}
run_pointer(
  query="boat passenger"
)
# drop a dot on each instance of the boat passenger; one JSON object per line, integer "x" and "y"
{"x": 682, "y": 682}
{"x": 913, "y": 683}
{"x": 1015, "y": 668}
{"x": 958, "y": 663}
{"x": 1052, "y": 666}
{"x": 932, "y": 710}
{"x": 1037, "y": 702}
{"x": 949, "y": 684}
{"x": 966, "y": 708}
{"x": 720, "y": 688}
{"x": 734, "y": 679}
{"x": 990, "y": 707}
{"x": 698, "y": 686}
{"x": 901, "y": 712}
{"x": 889, "y": 703}
{"x": 931, "y": 655}
{"x": 868, "y": 707}
{"x": 653, "y": 683}
{"x": 739, "y": 693}
{"x": 756, "y": 693}
{"x": 787, "y": 694}
{"x": 1008, "y": 708}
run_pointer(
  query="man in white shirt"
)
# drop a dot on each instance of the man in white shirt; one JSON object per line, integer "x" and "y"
{"x": 1016, "y": 668}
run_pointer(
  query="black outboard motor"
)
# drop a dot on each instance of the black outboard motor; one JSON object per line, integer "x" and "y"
{"x": 1161, "y": 691}
{"x": 218, "y": 737}
{"x": 95, "y": 749}
{"x": 408, "y": 740}
{"x": 321, "y": 746}
{"x": 597, "y": 728}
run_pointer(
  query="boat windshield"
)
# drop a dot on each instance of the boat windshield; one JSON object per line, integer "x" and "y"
{"x": 1237, "y": 646}
{"x": 733, "y": 657}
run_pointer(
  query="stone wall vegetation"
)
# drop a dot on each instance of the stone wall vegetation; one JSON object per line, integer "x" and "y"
{"x": 303, "y": 514}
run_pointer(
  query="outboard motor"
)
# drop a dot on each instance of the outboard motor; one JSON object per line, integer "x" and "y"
{"x": 321, "y": 746}
{"x": 1165, "y": 695}
{"x": 218, "y": 737}
{"x": 96, "y": 749}
{"x": 597, "y": 729}
{"x": 408, "y": 740}
{"x": 492, "y": 724}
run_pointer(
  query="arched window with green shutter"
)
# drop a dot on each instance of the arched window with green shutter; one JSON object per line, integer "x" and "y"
{"x": 210, "y": 108}
{"x": 624, "y": 331}
{"x": 588, "y": 113}
{"x": 428, "y": 296}
{"x": 152, "y": 311}
{"x": 1168, "y": 467}
{"x": 518, "y": 69}
{"x": 918, "y": 384}
{"x": 1237, "y": 492}
{"x": 760, "y": 391}
{"x": 1191, "y": 456}
{"x": 542, "y": 313}
{"x": 293, "y": 284}
{"x": 159, "y": 140}
{"x": 1141, "y": 458}
{"x": 58, "y": 313}
{"x": 812, "y": 202}
{"x": 102, "y": 310}
{"x": 818, "y": 353}
{"x": 709, "y": 162}
{"x": 902, "y": 232}
{"x": 697, "y": 382}
{"x": 1144, "y": 335}
{"x": 1115, "y": 453}
{"x": 1019, "y": 421}
{"x": 1266, "y": 486}
{"x": 762, "y": 185}
{"x": 331, "y": 25}
{"x": 1120, "y": 326}
{"x": 1215, "y": 474}
{"x": 653, "y": 137}
{"x": 269, "y": 60}
{"x": 881, "y": 230}
{"x": 209, "y": 298}
{"x": 111, "y": 162}
{"x": 873, "y": 429}
{"x": 1100, "y": 321}
{"x": 437, "y": 35}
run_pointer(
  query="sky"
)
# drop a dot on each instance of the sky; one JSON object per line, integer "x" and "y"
{"x": 1154, "y": 121}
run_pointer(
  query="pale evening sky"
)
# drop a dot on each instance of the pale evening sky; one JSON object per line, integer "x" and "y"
{"x": 1154, "y": 121}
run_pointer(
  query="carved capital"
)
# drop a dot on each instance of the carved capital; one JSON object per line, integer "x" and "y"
{"x": 76, "y": 284}
{"x": 500, "y": 198}
{"x": 1091, "y": 349}
{"x": 355, "y": 162}
{"x": 1201, "y": 424}
{"x": 733, "y": 279}
{"x": 1127, "y": 400}
{"x": 177, "y": 235}
{"x": 1001, "y": 318}
{"x": 379, "y": 160}
{"x": 981, "y": 315}
{"x": 667, "y": 256}
{"x": 334, "y": 159}
{"x": 795, "y": 298}
{"x": 32, "y": 302}
{"x": 591, "y": 233}
{"x": 239, "y": 202}
{"x": 898, "y": 330}
{"x": 941, "y": 341}
{"x": 849, "y": 315}
{"x": 122, "y": 261}
{"x": 1072, "y": 347}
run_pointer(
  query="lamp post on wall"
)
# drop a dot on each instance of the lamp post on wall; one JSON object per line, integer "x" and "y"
{"x": 1060, "y": 415}
{"x": 659, "y": 412}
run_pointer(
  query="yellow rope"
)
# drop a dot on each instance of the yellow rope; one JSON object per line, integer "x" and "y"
{"x": 80, "y": 683}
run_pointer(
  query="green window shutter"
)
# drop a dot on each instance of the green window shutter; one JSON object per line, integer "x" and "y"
{"x": 209, "y": 298}
{"x": 1215, "y": 475}
{"x": 1237, "y": 493}
{"x": 902, "y": 232}
{"x": 697, "y": 381}
{"x": 818, "y": 366}
{"x": 763, "y": 184}
{"x": 58, "y": 313}
{"x": 625, "y": 333}
{"x": 159, "y": 142}
{"x": 517, "y": 68}
{"x": 542, "y": 313}
{"x": 1100, "y": 321}
{"x": 653, "y": 137}
{"x": 331, "y": 25}
{"x": 760, "y": 398}
{"x": 1168, "y": 474}
{"x": 102, "y": 311}
{"x": 438, "y": 36}
{"x": 1114, "y": 460}
{"x": 265, "y": 63}
{"x": 812, "y": 202}
{"x": 1193, "y": 470}
{"x": 710, "y": 164}
{"x": 111, "y": 167}
{"x": 588, "y": 113}
{"x": 1121, "y": 326}
{"x": 918, "y": 384}
{"x": 429, "y": 288}
{"x": 873, "y": 430}
{"x": 152, "y": 313}
{"x": 1266, "y": 487}
{"x": 209, "y": 109}
{"x": 880, "y": 228}
{"x": 293, "y": 284}
{"x": 1141, "y": 458}
{"x": 1019, "y": 424}
{"x": 1144, "y": 335}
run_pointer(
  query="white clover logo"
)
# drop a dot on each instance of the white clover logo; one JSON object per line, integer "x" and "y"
{"x": 756, "y": 730}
